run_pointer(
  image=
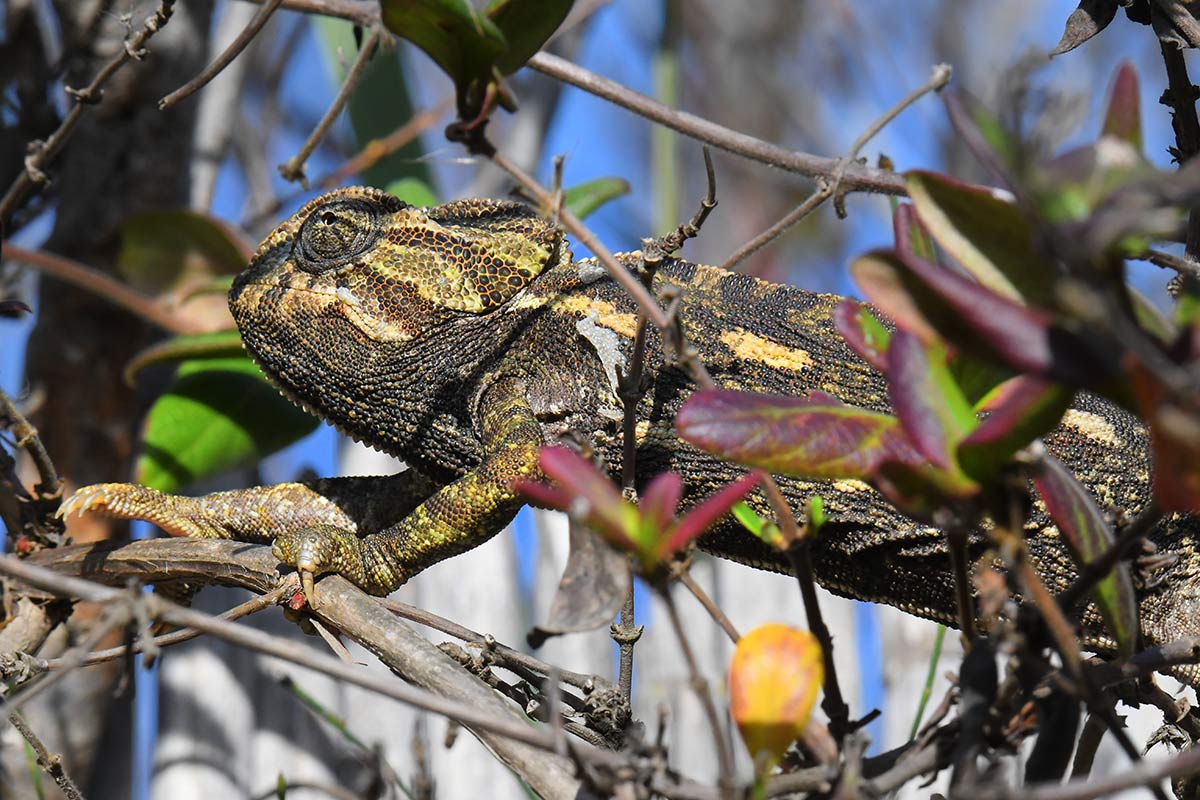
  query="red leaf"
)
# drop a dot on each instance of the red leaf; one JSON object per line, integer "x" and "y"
{"x": 1087, "y": 535}
{"x": 660, "y": 499}
{"x": 793, "y": 435}
{"x": 581, "y": 481}
{"x": 1123, "y": 118}
{"x": 704, "y": 514}
{"x": 928, "y": 402}
{"x": 1020, "y": 410}
{"x": 862, "y": 332}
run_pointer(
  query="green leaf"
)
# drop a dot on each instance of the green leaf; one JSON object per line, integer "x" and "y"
{"x": 933, "y": 410}
{"x": 219, "y": 344}
{"x": 1087, "y": 535}
{"x": 412, "y": 191}
{"x": 988, "y": 236}
{"x": 380, "y": 104}
{"x": 1018, "y": 412}
{"x": 811, "y": 437}
{"x": 584, "y": 198}
{"x": 159, "y": 249}
{"x": 526, "y": 25}
{"x": 463, "y": 42}
{"x": 758, "y": 525}
{"x": 219, "y": 413}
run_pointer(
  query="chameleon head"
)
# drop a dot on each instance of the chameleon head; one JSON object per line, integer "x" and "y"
{"x": 392, "y": 270}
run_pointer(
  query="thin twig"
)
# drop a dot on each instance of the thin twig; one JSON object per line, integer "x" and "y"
{"x": 101, "y": 285}
{"x": 371, "y": 153}
{"x": 293, "y": 168}
{"x": 258, "y": 641}
{"x": 832, "y": 703}
{"x": 42, "y": 153}
{"x": 1166, "y": 260}
{"x": 255, "y": 604}
{"x": 49, "y": 487}
{"x": 700, "y": 687}
{"x": 833, "y": 186}
{"x": 857, "y": 178}
{"x": 712, "y": 608}
{"x": 1180, "y": 97}
{"x": 503, "y": 653}
{"x": 823, "y": 192}
{"x": 225, "y": 58}
{"x": 51, "y": 763}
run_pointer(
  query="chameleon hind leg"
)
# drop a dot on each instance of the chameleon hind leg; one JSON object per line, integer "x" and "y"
{"x": 456, "y": 518}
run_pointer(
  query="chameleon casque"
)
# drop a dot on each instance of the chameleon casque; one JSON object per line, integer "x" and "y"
{"x": 460, "y": 338}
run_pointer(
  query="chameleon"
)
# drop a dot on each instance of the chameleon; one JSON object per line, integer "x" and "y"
{"x": 463, "y": 337}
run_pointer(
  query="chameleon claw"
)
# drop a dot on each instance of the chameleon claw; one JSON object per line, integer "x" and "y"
{"x": 307, "y": 586}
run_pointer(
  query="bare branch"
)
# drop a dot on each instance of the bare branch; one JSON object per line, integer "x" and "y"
{"x": 293, "y": 169}
{"x": 44, "y": 152}
{"x": 224, "y": 59}
{"x": 51, "y": 763}
{"x": 101, "y": 285}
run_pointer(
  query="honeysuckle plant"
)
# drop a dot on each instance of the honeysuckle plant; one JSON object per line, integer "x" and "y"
{"x": 649, "y": 530}
{"x": 1001, "y": 305}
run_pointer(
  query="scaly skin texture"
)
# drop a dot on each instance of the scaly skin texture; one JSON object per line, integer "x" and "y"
{"x": 461, "y": 338}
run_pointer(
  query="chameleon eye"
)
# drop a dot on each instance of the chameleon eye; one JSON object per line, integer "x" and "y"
{"x": 336, "y": 233}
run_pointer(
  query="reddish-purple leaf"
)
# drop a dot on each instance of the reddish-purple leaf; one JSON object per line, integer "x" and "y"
{"x": 660, "y": 500}
{"x": 1024, "y": 338}
{"x": 793, "y": 435}
{"x": 927, "y": 401}
{"x": 1124, "y": 118}
{"x": 862, "y": 332}
{"x": 543, "y": 495}
{"x": 983, "y": 134}
{"x": 582, "y": 482}
{"x": 1176, "y": 473}
{"x": 986, "y": 234}
{"x": 881, "y": 277}
{"x": 1019, "y": 411}
{"x": 705, "y": 513}
{"x": 1087, "y": 535}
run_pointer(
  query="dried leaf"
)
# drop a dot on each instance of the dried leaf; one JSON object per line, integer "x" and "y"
{"x": 591, "y": 591}
{"x": 1091, "y": 17}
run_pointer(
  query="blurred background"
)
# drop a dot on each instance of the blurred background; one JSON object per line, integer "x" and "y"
{"x": 806, "y": 75}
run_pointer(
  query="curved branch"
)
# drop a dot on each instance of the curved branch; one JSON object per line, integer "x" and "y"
{"x": 445, "y": 687}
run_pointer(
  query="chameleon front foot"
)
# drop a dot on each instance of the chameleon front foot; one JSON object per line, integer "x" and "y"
{"x": 321, "y": 549}
{"x": 175, "y": 515}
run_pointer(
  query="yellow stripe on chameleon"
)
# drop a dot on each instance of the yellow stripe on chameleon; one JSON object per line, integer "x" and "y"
{"x": 603, "y": 312}
{"x": 750, "y": 347}
{"x": 1093, "y": 426}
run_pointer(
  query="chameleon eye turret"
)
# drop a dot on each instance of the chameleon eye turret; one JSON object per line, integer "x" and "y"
{"x": 335, "y": 233}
